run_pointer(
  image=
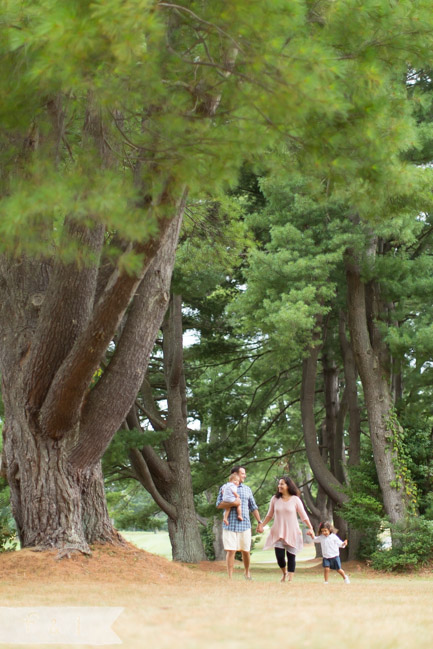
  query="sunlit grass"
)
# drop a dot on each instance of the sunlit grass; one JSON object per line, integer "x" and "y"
{"x": 159, "y": 543}
{"x": 155, "y": 542}
{"x": 373, "y": 612}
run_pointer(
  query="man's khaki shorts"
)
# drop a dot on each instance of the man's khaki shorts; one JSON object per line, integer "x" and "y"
{"x": 237, "y": 540}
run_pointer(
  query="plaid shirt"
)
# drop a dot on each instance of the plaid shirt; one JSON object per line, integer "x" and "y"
{"x": 248, "y": 505}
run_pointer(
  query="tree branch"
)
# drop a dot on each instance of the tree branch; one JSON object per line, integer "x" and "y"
{"x": 144, "y": 476}
{"x": 321, "y": 472}
{"x": 114, "y": 394}
{"x": 149, "y": 408}
{"x": 65, "y": 310}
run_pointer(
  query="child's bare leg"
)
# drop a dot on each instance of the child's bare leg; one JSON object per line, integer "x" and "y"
{"x": 326, "y": 574}
{"x": 227, "y": 507}
{"x": 342, "y": 573}
{"x": 239, "y": 512}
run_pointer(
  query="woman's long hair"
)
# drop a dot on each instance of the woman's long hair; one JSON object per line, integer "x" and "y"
{"x": 293, "y": 489}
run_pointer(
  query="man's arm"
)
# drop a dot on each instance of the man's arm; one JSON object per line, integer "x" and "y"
{"x": 253, "y": 508}
{"x": 220, "y": 504}
{"x": 257, "y": 516}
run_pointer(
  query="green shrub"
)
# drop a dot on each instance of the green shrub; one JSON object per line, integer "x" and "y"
{"x": 207, "y": 537}
{"x": 8, "y": 540}
{"x": 412, "y": 546}
{"x": 364, "y": 512}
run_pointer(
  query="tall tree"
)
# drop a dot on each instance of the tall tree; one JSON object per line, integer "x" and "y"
{"x": 168, "y": 479}
{"x": 98, "y": 152}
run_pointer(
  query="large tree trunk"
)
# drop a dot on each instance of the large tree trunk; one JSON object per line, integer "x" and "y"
{"x": 327, "y": 480}
{"x": 218, "y": 546}
{"x": 351, "y": 394}
{"x": 330, "y": 482}
{"x": 56, "y": 430}
{"x": 371, "y": 361}
{"x": 94, "y": 514}
{"x": 54, "y": 505}
{"x": 353, "y": 410}
{"x": 169, "y": 480}
{"x": 184, "y": 534}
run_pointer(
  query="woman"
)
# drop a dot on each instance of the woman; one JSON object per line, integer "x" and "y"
{"x": 286, "y": 536}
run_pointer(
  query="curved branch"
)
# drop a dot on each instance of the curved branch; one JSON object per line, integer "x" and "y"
{"x": 61, "y": 409}
{"x": 114, "y": 394}
{"x": 173, "y": 347}
{"x": 148, "y": 407}
{"x": 172, "y": 5}
{"x": 144, "y": 476}
{"x": 323, "y": 475}
{"x": 66, "y": 307}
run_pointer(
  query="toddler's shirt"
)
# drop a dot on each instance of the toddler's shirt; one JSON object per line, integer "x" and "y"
{"x": 331, "y": 545}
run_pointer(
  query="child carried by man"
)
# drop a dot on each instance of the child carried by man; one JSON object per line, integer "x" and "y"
{"x": 230, "y": 495}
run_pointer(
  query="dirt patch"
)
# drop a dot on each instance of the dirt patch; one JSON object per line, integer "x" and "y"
{"x": 129, "y": 564}
{"x": 107, "y": 563}
{"x": 209, "y": 566}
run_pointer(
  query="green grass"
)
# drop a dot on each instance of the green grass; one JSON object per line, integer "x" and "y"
{"x": 155, "y": 542}
{"x": 159, "y": 543}
{"x": 267, "y": 556}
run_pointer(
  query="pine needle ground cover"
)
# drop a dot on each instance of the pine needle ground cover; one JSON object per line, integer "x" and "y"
{"x": 188, "y": 607}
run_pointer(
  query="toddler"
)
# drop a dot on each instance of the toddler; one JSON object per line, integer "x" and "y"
{"x": 230, "y": 495}
{"x": 331, "y": 544}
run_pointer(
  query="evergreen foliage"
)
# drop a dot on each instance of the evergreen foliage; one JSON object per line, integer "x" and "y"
{"x": 412, "y": 547}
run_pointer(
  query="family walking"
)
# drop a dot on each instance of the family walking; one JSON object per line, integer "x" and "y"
{"x": 285, "y": 536}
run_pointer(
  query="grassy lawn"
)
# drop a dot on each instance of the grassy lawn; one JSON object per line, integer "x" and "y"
{"x": 159, "y": 543}
{"x": 155, "y": 542}
{"x": 187, "y": 608}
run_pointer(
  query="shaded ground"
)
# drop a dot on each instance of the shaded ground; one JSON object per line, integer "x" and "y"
{"x": 167, "y": 606}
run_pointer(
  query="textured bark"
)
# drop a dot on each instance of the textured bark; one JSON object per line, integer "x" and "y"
{"x": 319, "y": 510}
{"x": 372, "y": 362}
{"x": 169, "y": 480}
{"x": 332, "y": 408}
{"x": 330, "y": 492}
{"x": 351, "y": 395}
{"x": 53, "y": 336}
{"x": 121, "y": 382}
{"x": 323, "y": 475}
{"x": 218, "y": 546}
{"x": 53, "y": 505}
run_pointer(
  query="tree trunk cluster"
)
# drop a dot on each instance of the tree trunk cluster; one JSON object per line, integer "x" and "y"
{"x": 366, "y": 356}
{"x": 61, "y": 409}
{"x": 168, "y": 478}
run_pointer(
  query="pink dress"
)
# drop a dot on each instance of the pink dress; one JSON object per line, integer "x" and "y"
{"x": 286, "y": 527}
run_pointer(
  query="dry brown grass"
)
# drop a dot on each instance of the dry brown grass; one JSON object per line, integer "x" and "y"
{"x": 170, "y": 606}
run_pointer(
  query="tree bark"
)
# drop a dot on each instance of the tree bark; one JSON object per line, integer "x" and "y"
{"x": 54, "y": 438}
{"x": 351, "y": 394}
{"x": 323, "y": 475}
{"x": 169, "y": 480}
{"x": 371, "y": 361}
{"x": 332, "y": 409}
{"x": 53, "y": 505}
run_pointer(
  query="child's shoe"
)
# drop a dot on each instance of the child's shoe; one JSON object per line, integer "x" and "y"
{"x": 346, "y": 580}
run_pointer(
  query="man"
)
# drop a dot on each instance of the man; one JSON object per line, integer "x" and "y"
{"x": 237, "y": 534}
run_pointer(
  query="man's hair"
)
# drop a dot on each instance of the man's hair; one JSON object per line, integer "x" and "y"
{"x": 236, "y": 468}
